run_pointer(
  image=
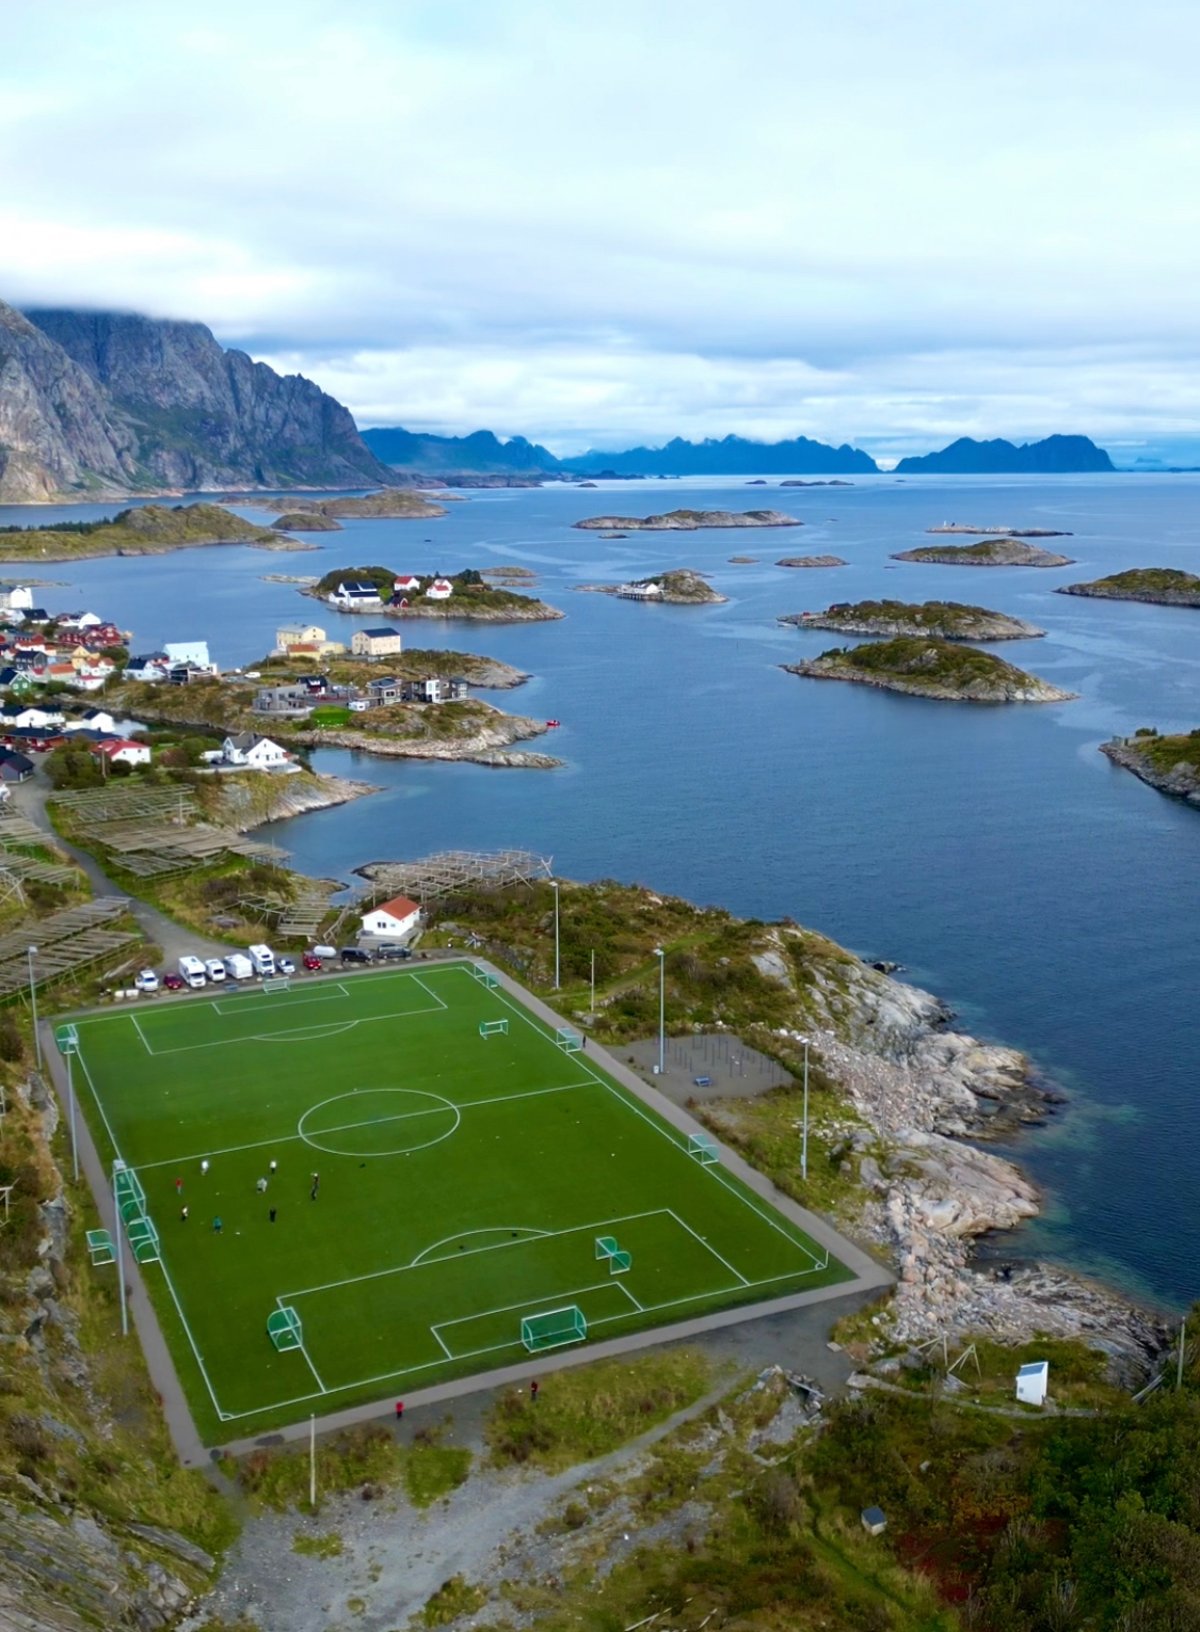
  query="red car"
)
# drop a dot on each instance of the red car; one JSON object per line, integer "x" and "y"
{"x": 311, "y": 961}
{"x": 173, "y": 983}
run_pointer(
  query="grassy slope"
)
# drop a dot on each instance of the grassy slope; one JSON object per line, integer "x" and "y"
{"x": 148, "y": 527}
{"x": 921, "y": 615}
{"x": 1146, "y": 581}
{"x": 466, "y": 595}
{"x": 563, "y": 1160}
{"x": 920, "y": 657}
{"x": 1164, "y": 753}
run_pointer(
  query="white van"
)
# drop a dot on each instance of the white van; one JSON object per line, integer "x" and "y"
{"x": 192, "y": 970}
{"x": 238, "y": 966}
{"x": 214, "y": 968}
{"x": 263, "y": 960}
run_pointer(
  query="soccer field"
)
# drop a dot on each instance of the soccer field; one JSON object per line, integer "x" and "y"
{"x": 468, "y": 1185}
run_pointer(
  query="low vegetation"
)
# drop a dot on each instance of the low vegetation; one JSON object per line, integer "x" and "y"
{"x": 1164, "y": 584}
{"x": 921, "y": 665}
{"x": 947, "y": 620}
{"x": 145, "y": 530}
{"x": 1165, "y": 752}
{"x": 588, "y": 1411}
{"x": 369, "y": 1460}
{"x": 398, "y": 503}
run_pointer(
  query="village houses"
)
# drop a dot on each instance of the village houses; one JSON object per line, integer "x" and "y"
{"x": 249, "y": 751}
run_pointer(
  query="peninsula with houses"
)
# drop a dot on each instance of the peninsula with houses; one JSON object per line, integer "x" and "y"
{"x": 945, "y": 620}
{"x": 924, "y": 667}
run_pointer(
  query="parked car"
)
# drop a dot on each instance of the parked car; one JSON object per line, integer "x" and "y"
{"x": 173, "y": 982}
{"x": 392, "y": 954}
{"x": 312, "y": 961}
{"x": 355, "y": 954}
{"x": 147, "y": 981}
{"x": 285, "y": 966}
{"x": 216, "y": 969}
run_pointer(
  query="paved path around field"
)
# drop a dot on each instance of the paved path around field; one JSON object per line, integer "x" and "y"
{"x": 869, "y": 1278}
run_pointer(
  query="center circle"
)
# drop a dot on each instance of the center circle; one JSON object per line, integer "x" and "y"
{"x": 379, "y": 1122}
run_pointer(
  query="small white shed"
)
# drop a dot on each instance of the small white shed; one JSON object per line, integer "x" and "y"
{"x": 1032, "y": 1382}
{"x": 396, "y": 917}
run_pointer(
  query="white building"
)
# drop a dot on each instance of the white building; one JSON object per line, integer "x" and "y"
{"x": 192, "y": 652}
{"x": 640, "y": 592}
{"x": 299, "y": 634}
{"x": 122, "y": 751}
{"x": 407, "y": 584}
{"x": 351, "y": 595}
{"x": 393, "y": 918}
{"x": 376, "y": 643}
{"x": 440, "y": 589}
{"x": 16, "y": 599}
{"x": 254, "y": 752}
{"x": 1032, "y": 1382}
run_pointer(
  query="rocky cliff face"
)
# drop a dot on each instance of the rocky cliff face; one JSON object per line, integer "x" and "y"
{"x": 59, "y": 431}
{"x": 105, "y": 403}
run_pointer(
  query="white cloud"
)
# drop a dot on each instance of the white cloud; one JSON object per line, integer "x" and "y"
{"x": 863, "y": 221}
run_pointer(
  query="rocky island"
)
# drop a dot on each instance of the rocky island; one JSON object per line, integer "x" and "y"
{"x": 1169, "y": 763}
{"x": 1161, "y": 586}
{"x": 1005, "y": 550}
{"x": 946, "y": 620}
{"x": 306, "y": 521}
{"x": 922, "y": 667}
{"x": 1001, "y": 532}
{"x": 391, "y": 503}
{"x": 687, "y": 521}
{"x": 151, "y": 529}
{"x": 811, "y": 561}
{"x": 465, "y": 595}
{"x": 679, "y": 587}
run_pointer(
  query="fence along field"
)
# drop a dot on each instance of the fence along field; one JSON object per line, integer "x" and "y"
{"x": 442, "y": 1193}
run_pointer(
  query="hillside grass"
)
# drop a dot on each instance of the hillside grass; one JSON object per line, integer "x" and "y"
{"x": 1146, "y": 581}
{"x": 938, "y": 662}
{"x": 1164, "y": 753}
{"x": 147, "y": 527}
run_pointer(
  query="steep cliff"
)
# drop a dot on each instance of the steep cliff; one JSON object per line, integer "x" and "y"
{"x": 117, "y": 403}
{"x": 59, "y": 431}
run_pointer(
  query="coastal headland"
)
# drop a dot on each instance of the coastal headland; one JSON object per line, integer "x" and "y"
{"x": 945, "y": 620}
{"x": 1170, "y": 763}
{"x": 151, "y": 529}
{"x": 920, "y": 666}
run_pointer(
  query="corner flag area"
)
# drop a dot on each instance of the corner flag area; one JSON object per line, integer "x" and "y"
{"x": 398, "y": 1178}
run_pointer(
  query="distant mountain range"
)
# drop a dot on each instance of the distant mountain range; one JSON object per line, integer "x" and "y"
{"x": 1055, "y": 455}
{"x": 482, "y": 453}
{"x": 98, "y": 404}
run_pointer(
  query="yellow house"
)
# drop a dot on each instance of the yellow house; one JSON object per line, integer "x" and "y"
{"x": 310, "y": 636}
{"x": 375, "y": 643}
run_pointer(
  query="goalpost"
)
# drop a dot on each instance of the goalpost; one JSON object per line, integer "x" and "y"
{"x": 702, "y": 1147}
{"x": 568, "y": 1040}
{"x": 485, "y": 977}
{"x": 276, "y": 983}
{"x": 553, "y": 1328}
{"x": 493, "y": 1028}
{"x": 284, "y": 1329}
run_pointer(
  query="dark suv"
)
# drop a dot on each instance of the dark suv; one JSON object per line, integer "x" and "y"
{"x": 355, "y": 954}
{"x": 389, "y": 954}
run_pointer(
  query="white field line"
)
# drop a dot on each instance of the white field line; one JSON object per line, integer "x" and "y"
{"x": 527, "y": 1231}
{"x": 400, "y": 1116}
{"x": 631, "y": 1104}
{"x": 685, "y": 1225}
{"x": 528, "y": 1303}
{"x": 141, "y": 1034}
{"x": 308, "y": 1357}
{"x": 288, "y": 1034}
{"x": 605, "y": 1224}
{"x": 258, "y": 998}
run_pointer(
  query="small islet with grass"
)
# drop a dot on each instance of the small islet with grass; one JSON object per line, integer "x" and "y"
{"x": 416, "y": 1178}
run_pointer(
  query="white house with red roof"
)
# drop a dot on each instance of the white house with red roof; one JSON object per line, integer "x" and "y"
{"x": 440, "y": 589}
{"x": 393, "y": 918}
{"x": 122, "y": 751}
{"x": 407, "y": 584}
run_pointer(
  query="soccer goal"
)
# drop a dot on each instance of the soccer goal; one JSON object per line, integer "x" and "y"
{"x": 143, "y": 1238}
{"x": 485, "y": 977}
{"x": 276, "y": 983}
{"x": 493, "y": 1028}
{"x": 703, "y": 1148}
{"x": 127, "y": 1188}
{"x": 619, "y": 1261}
{"x": 553, "y": 1329}
{"x": 569, "y": 1041}
{"x": 101, "y": 1248}
{"x": 284, "y": 1329}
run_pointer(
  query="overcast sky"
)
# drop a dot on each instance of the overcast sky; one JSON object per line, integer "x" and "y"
{"x": 862, "y": 220}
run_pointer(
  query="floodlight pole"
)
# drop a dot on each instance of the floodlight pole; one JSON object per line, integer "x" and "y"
{"x": 1182, "y": 1331}
{"x": 593, "y": 1008}
{"x": 804, "y": 1134}
{"x": 662, "y": 1007}
{"x": 312, "y": 1460}
{"x": 554, "y": 887}
{"x": 37, "y": 1041}
{"x": 120, "y": 1250}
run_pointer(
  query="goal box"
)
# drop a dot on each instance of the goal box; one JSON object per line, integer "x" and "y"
{"x": 553, "y": 1329}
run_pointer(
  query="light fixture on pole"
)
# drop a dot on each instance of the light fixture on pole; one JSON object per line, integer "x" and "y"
{"x": 592, "y": 1011}
{"x": 662, "y": 1007}
{"x": 554, "y": 887}
{"x": 804, "y": 1134}
{"x": 119, "y": 1239}
{"x": 37, "y": 1041}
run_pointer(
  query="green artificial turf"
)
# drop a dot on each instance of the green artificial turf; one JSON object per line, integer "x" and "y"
{"x": 463, "y": 1184}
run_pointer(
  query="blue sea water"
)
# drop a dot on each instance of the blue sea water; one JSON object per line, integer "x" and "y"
{"x": 1048, "y": 896}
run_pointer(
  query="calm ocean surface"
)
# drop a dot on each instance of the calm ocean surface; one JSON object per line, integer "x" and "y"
{"x": 1049, "y": 897}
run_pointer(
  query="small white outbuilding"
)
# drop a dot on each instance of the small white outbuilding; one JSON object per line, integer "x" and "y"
{"x": 1032, "y": 1382}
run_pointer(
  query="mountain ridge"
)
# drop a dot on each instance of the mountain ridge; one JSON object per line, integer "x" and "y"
{"x": 1053, "y": 455}
{"x": 105, "y": 404}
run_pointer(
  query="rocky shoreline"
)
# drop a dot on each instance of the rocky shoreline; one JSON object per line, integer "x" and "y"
{"x": 686, "y": 521}
{"x": 1029, "y": 689}
{"x": 1007, "y": 550}
{"x": 811, "y": 561}
{"x": 288, "y": 796}
{"x": 957, "y": 623}
{"x": 488, "y": 744}
{"x": 449, "y": 611}
{"x": 1181, "y": 781}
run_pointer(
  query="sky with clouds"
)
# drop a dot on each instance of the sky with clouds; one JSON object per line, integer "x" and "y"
{"x": 882, "y": 221}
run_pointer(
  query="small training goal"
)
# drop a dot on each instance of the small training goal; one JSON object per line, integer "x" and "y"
{"x": 485, "y": 977}
{"x": 553, "y": 1329}
{"x": 493, "y": 1028}
{"x": 569, "y": 1041}
{"x": 276, "y": 983}
{"x": 703, "y": 1148}
{"x": 283, "y": 1328}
